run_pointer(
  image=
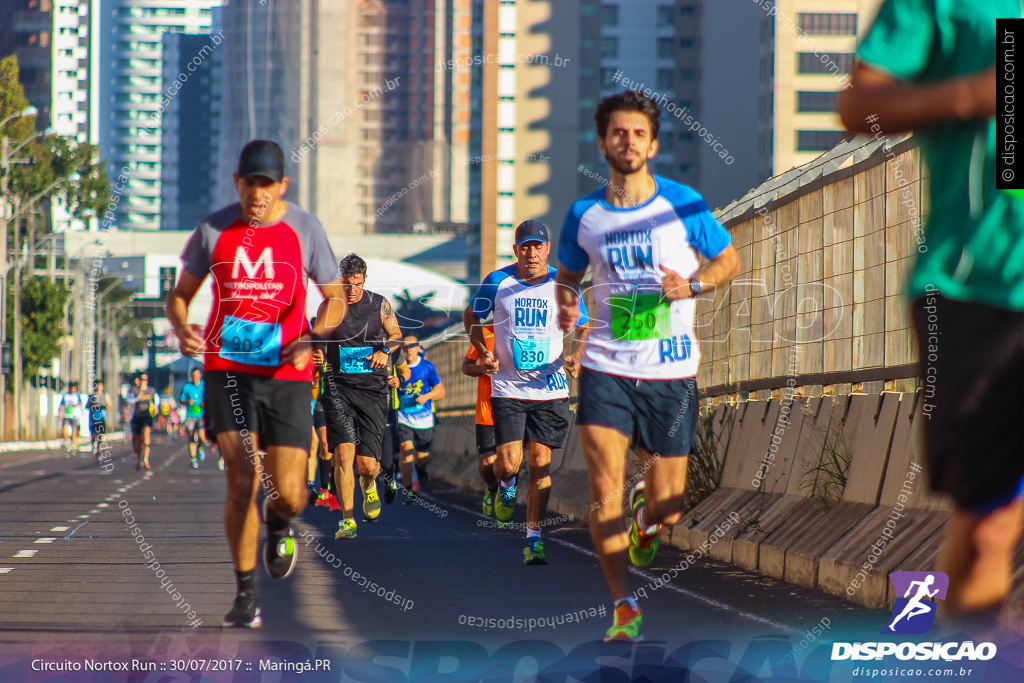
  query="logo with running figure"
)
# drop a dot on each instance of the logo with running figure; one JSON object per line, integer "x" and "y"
{"x": 914, "y": 613}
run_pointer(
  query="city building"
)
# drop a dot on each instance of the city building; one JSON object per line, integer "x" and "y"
{"x": 134, "y": 94}
{"x": 190, "y": 130}
{"x": 374, "y": 125}
{"x": 814, "y": 46}
{"x": 26, "y": 32}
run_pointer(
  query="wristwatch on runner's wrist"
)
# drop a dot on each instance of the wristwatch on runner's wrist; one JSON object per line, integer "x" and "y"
{"x": 696, "y": 287}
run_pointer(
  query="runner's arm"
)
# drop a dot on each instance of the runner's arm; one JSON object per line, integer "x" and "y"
{"x": 715, "y": 273}
{"x": 877, "y": 102}
{"x": 436, "y": 393}
{"x": 472, "y": 368}
{"x": 190, "y": 340}
{"x": 567, "y": 291}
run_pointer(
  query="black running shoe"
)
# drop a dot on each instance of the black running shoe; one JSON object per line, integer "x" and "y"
{"x": 244, "y": 614}
{"x": 390, "y": 487}
{"x": 280, "y": 553}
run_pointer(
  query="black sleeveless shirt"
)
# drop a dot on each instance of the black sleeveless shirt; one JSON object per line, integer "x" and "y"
{"x": 358, "y": 336}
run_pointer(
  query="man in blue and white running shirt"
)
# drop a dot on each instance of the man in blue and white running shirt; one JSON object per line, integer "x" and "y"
{"x": 642, "y": 237}
{"x": 529, "y": 390}
{"x": 416, "y": 396}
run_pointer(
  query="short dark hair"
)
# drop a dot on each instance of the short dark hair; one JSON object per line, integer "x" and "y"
{"x": 629, "y": 100}
{"x": 352, "y": 265}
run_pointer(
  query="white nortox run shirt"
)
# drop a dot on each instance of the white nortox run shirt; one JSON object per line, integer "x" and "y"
{"x": 636, "y": 333}
{"x": 527, "y": 341}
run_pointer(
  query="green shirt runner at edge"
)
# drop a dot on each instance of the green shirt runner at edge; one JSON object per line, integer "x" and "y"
{"x": 974, "y": 243}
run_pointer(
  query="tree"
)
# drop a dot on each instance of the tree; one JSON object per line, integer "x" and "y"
{"x": 43, "y": 166}
{"x": 42, "y": 315}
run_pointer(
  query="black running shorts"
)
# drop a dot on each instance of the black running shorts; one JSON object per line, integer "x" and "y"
{"x": 354, "y": 416}
{"x": 486, "y": 439}
{"x": 972, "y": 367}
{"x": 275, "y": 410}
{"x": 659, "y": 415}
{"x": 545, "y": 422}
{"x": 422, "y": 439}
{"x": 140, "y": 422}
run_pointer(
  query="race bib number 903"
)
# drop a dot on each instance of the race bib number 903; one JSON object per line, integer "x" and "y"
{"x": 250, "y": 343}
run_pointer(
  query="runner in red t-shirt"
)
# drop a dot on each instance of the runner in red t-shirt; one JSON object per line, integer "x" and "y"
{"x": 261, "y": 253}
{"x": 486, "y": 445}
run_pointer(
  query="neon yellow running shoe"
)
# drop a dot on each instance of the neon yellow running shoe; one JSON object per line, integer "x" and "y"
{"x": 346, "y": 529}
{"x": 489, "y": 503}
{"x": 626, "y": 623}
{"x": 505, "y": 503}
{"x": 371, "y": 502}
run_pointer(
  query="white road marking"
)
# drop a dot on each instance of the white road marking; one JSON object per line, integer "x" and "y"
{"x": 45, "y": 540}
{"x": 6, "y": 570}
{"x": 26, "y": 553}
{"x": 682, "y": 591}
{"x": 60, "y": 528}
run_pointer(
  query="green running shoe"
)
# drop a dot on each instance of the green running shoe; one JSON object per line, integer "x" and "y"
{"x": 626, "y": 623}
{"x": 643, "y": 543}
{"x": 489, "y": 503}
{"x": 505, "y": 503}
{"x": 533, "y": 553}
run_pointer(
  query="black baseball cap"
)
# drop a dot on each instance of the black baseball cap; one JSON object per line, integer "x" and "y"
{"x": 532, "y": 231}
{"x": 262, "y": 157}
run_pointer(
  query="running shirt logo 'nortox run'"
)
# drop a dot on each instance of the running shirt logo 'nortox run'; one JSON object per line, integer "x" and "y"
{"x": 914, "y": 613}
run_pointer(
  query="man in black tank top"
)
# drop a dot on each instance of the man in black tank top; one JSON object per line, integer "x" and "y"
{"x": 356, "y": 393}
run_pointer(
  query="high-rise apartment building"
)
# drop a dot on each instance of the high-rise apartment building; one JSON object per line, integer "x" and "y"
{"x": 26, "y": 31}
{"x": 136, "y": 96}
{"x": 814, "y": 46}
{"x": 190, "y": 129}
{"x": 74, "y": 84}
{"x": 374, "y": 123}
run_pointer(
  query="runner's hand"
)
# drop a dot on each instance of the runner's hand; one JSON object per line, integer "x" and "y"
{"x": 318, "y": 357}
{"x": 393, "y": 382}
{"x": 490, "y": 363}
{"x": 378, "y": 359}
{"x": 674, "y": 285}
{"x": 568, "y": 314}
{"x": 421, "y": 399}
{"x": 571, "y": 363}
{"x": 190, "y": 339}
{"x": 298, "y": 353}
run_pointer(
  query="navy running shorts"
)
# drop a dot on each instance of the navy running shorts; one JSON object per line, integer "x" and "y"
{"x": 658, "y": 415}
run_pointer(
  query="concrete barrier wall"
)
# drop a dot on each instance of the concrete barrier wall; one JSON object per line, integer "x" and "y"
{"x": 839, "y": 528}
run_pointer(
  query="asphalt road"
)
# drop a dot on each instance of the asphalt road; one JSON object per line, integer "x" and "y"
{"x": 429, "y": 592}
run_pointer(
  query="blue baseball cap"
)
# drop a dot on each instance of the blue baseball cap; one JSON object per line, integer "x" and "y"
{"x": 532, "y": 231}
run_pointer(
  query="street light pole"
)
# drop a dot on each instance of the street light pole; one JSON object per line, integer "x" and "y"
{"x": 4, "y": 168}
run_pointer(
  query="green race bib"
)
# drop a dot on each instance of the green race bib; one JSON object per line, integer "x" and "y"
{"x": 640, "y": 317}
